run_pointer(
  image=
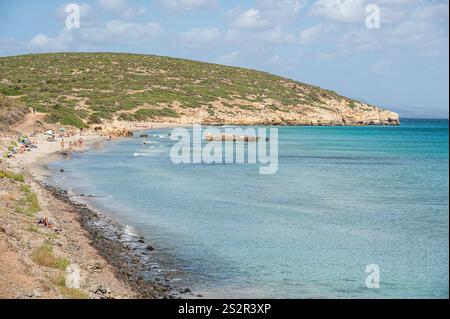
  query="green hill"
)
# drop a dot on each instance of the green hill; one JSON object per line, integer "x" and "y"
{"x": 82, "y": 88}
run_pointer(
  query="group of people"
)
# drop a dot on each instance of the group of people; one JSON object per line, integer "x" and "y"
{"x": 68, "y": 134}
{"x": 77, "y": 143}
{"x": 24, "y": 144}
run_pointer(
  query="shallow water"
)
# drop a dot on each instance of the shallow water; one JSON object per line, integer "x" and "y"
{"x": 343, "y": 198}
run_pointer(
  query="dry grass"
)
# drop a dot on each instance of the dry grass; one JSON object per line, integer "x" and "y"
{"x": 12, "y": 176}
{"x": 33, "y": 229}
{"x": 9, "y": 197}
{"x": 72, "y": 293}
{"x": 44, "y": 256}
{"x": 29, "y": 203}
{"x": 11, "y": 111}
{"x": 69, "y": 293}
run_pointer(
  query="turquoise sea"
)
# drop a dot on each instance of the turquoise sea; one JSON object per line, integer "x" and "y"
{"x": 343, "y": 198}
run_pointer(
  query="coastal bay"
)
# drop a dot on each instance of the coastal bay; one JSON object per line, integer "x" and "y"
{"x": 226, "y": 236}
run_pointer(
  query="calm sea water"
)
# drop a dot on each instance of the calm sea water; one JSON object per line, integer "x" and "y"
{"x": 343, "y": 198}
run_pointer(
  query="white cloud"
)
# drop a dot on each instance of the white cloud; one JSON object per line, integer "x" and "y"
{"x": 315, "y": 32}
{"x": 188, "y": 4}
{"x": 123, "y": 8}
{"x": 113, "y": 32}
{"x": 233, "y": 35}
{"x": 117, "y": 31}
{"x": 40, "y": 40}
{"x": 200, "y": 36}
{"x": 414, "y": 26}
{"x": 339, "y": 10}
{"x": 420, "y": 32}
{"x": 267, "y": 22}
{"x": 266, "y": 13}
{"x": 250, "y": 19}
{"x": 432, "y": 13}
{"x": 277, "y": 35}
{"x": 85, "y": 10}
{"x": 43, "y": 43}
{"x": 280, "y": 12}
{"x": 134, "y": 12}
{"x": 288, "y": 5}
{"x": 87, "y": 13}
{"x": 310, "y": 34}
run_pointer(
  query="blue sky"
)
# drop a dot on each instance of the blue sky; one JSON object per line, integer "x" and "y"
{"x": 403, "y": 65}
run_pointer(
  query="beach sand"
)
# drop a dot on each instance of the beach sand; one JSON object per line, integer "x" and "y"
{"x": 103, "y": 271}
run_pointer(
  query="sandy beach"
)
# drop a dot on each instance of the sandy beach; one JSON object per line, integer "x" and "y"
{"x": 36, "y": 255}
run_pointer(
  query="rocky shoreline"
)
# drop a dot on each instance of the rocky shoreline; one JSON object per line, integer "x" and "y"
{"x": 129, "y": 265}
{"x": 130, "y": 256}
{"x": 114, "y": 263}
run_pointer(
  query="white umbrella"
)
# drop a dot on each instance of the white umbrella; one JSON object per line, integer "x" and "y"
{"x": 49, "y": 132}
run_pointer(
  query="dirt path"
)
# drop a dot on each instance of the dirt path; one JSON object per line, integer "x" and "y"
{"x": 27, "y": 125}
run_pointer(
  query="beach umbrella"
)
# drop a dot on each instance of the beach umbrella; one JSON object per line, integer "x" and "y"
{"x": 49, "y": 132}
{"x": 62, "y": 129}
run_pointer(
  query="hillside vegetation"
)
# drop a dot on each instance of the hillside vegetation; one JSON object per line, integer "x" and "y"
{"x": 11, "y": 111}
{"x": 85, "y": 88}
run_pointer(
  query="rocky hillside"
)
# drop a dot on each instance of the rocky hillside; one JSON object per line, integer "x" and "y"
{"x": 11, "y": 111}
{"x": 84, "y": 88}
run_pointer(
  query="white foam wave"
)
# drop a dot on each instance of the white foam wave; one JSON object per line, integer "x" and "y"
{"x": 137, "y": 154}
{"x": 130, "y": 231}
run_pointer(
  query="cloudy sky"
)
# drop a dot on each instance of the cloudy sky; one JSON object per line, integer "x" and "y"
{"x": 402, "y": 65}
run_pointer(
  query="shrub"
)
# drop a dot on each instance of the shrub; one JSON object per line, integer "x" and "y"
{"x": 28, "y": 204}
{"x": 94, "y": 119}
{"x": 18, "y": 177}
{"x": 145, "y": 113}
{"x": 44, "y": 256}
{"x": 351, "y": 104}
{"x": 246, "y": 107}
{"x": 65, "y": 116}
{"x": 6, "y": 90}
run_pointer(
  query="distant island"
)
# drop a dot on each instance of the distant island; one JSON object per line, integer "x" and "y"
{"x": 81, "y": 89}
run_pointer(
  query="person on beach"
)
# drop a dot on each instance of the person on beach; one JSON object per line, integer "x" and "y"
{"x": 62, "y": 144}
{"x": 70, "y": 145}
{"x": 80, "y": 142}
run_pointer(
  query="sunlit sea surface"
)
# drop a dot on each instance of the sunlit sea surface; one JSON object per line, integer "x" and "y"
{"x": 343, "y": 198}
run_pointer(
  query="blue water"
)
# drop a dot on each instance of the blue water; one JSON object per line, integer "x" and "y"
{"x": 343, "y": 198}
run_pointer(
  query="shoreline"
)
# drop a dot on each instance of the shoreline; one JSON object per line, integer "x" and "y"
{"x": 126, "y": 254}
{"x": 128, "y": 257}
